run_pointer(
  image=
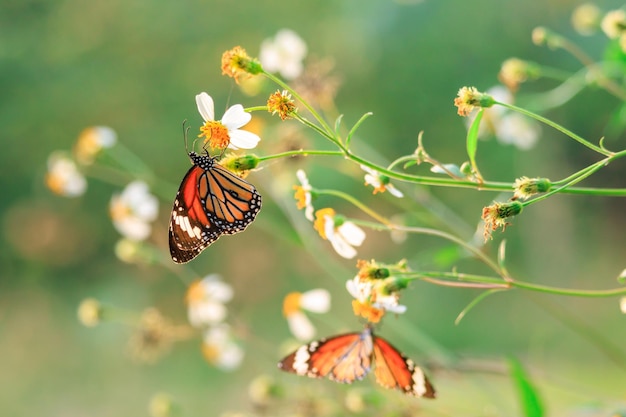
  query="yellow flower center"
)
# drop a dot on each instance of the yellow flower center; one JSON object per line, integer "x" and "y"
{"x": 210, "y": 352}
{"x": 300, "y": 196}
{"x": 195, "y": 292}
{"x": 215, "y": 134}
{"x": 291, "y": 304}
{"x": 119, "y": 210}
{"x": 371, "y": 314}
{"x": 55, "y": 183}
{"x": 320, "y": 220}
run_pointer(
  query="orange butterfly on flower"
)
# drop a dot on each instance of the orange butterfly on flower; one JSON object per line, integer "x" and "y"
{"x": 211, "y": 200}
{"x": 351, "y": 356}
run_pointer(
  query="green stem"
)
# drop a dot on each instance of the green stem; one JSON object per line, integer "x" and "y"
{"x": 300, "y": 152}
{"x": 448, "y": 182}
{"x": 497, "y": 283}
{"x": 556, "y": 126}
{"x": 356, "y": 203}
{"x": 568, "y": 292}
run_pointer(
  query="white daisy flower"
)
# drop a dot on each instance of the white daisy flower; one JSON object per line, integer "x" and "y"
{"x": 226, "y": 132}
{"x": 316, "y": 301}
{"x": 284, "y": 53}
{"x": 63, "y": 177}
{"x": 93, "y": 140}
{"x": 205, "y": 300}
{"x": 134, "y": 210}
{"x": 303, "y": 195}
{"x": 343, "y": 237}
{"x": 380, "y": 182}
{"x": 360, "y": 289}
{"x": 219, "y": 348}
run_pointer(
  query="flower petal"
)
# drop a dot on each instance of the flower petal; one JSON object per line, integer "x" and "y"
{"x": 342, "y": 247}
{"x": 352, "y": 233}
{"x": 394, "y": 191}
{"x": 300, "y": 326}
{"x": 205, "y": 106}
{"x": 316, "y": 301}
{"x": 235, "y": 117}
{"x": 242, "y": 139}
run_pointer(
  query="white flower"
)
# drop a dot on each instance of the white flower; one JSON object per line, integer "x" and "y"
{"x": 380, "y": 182}
{"x": 205, "y": 300}
{"x": 316, "y": 301}
{"x": 389, "y": 303}
{"x": 92, "y": 140}
{"x": 373, "y": 292}
{"x": 303, "y": 195}
{"x": 343, "y": 237}
{"x": 219, "y": 348}
{"x": 63, "y": 176}
{"x": 134, "y": 210}
{"x": 360, "y": 289}
{"x": 284, "y": 53}
{"x": 225, "y": 132}
{"x": 622, "y": 305}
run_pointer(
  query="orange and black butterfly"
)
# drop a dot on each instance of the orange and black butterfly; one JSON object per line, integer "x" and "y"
{"x": 210, "y": 202}
{"x": 350, "y": 357}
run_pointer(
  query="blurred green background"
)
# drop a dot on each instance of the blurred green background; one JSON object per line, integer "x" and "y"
{"x": 137, "y": 65}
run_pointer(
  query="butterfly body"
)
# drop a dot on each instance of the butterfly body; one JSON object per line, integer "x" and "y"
{"x": 350, "y": 357}
{"x": 211, "y": 201}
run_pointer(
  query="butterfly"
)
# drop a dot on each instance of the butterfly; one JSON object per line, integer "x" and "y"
{"x": 351, "y": 356}
{"x": 211, "y": 201}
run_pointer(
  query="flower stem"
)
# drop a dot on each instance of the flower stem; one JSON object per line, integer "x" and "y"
{"x": 557, "y": 127}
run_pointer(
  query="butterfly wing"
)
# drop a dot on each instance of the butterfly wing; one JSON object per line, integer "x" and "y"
{"x": 211, "y": 201}
{"x": 344, "y": 358}
{"x": 230, "y": 202}
{"x": 394, "y": 370}
{"x": 191, "y": 230}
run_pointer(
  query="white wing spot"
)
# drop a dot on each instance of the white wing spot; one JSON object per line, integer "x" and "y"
{"x": 301, "y": 361}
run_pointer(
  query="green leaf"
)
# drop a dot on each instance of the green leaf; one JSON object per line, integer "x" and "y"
{"x": 472, "y": 140}
{"x": 474, "y": 302}
{"x": 528, "y": 395}
{"x": 338, "y": 124}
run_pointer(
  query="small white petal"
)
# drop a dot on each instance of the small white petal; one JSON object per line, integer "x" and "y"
{"x": 316, "y": 301}
{"x": 622, "y": 305}
{"x": 369, "y": 170}
{"x": 308, "y": 211}
{"x": 215, "y": 289}
{"x": 132, "y": 228}
{"x": 303, "y": 178}
{"x": 352, "y": 233}
{"x": 396, "y": 309}
{"x": 105, "y": 136}
{"x": 394, "y": 191}
{"x": 201, "y": 314}
{"x": 236, "y": 117}
{"x": 342, "y": 247}
{"x": 515, "y": 129}
{"x": 231, "y": 357}
{"x": 242, "y": 139}
{"x": 205, "y": 106}
{"x": 300, "y": 326}
{"x": 372, "y": 180}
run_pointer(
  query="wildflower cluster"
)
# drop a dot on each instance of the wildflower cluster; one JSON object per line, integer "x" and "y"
{"x": 206, "y": 205}
{"x": 376, "y": 289}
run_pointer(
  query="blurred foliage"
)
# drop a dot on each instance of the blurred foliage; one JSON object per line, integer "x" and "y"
{"x": 136, "y": 66}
